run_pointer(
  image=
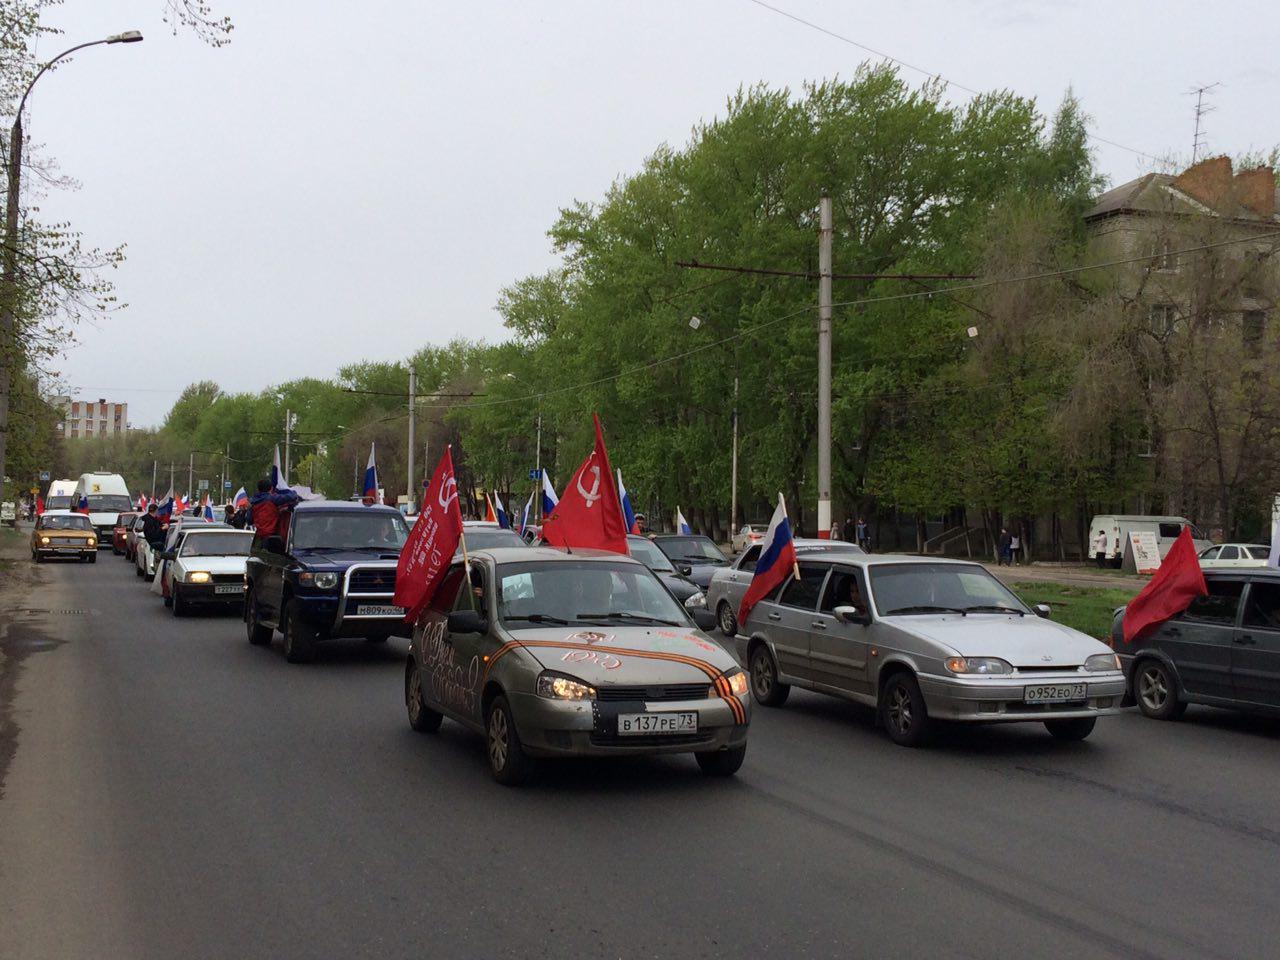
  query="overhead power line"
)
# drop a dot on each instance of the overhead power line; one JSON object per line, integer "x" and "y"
{"x": 807, "y": 275}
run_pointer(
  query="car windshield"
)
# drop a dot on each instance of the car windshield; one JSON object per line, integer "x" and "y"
{"x": 58, "y": 503}
{"x": 484, "y": 538}
{"x": 590, "y": 592}
{"x": 108, "y": 502}
{"x": 922, "y": 588}
{"x": 230, "y": 544}
{"x": 73, "y": 522}
{"x": 653, "y": 558}
{"x": 692, "y": 550}
{"x": 349, "y": 530}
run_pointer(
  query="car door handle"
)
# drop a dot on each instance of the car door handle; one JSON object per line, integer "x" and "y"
{"x": 775, "y": 616}
{"x": 818, "y": 624}
{"x": 1173, "y": 632}
{"x": 1245, "y": 641}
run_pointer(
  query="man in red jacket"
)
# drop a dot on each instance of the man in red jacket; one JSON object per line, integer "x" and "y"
{"x": 266, "y": 507}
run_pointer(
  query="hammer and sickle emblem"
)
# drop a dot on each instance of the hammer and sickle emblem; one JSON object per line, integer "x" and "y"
{"x": 448, "y": 491}
{"x": 594, "y": 493}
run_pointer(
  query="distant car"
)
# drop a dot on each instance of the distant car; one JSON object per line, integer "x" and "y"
{"x": 923, "y": 640}
{"x": 173, "y": 535}
{"x": 483, "y": 535}
{"x": 207, "y": 567}
{"x": 61, "y": 533}
{"x": 1164, "y": 530}
{"x": 695, "y": 556}
{"x": 548, "y": 653}
{"x": 748, "y": 534}
{"x": 532, "y": 533}
{"x": 131, "y": 537}
{"x": 682, "y": 588}
{"x": 1228, "y": 555}
{"x": 121, "y": 531}
{"x": 1222, "y": 651}
{"x": 729, "y": 584}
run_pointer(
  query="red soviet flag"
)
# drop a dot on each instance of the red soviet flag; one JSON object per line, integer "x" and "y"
{"x": 1178, "y": 581}
{"x": 432, "y": 542}
{"x": 589, "y": 513}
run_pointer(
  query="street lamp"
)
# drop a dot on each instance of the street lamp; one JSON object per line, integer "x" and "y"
{"x": 9, "y": 276}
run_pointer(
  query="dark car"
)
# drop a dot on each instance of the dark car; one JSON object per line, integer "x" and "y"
{"x": 333, "y": 575}
{"x": 681, "y": 587}
{"x": 695, "y": 556}
{"x": 1223, "y": 650}
{"x": 481, "y": 535}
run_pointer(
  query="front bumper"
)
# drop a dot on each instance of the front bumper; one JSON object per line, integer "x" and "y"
{"x": 65, "y": 549}
{"x": 209, "y": 593}
{"x": 1000, "y": 699}
{"x": 587, "y": 728}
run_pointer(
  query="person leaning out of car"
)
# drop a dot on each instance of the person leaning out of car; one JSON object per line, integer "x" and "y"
{"x": 267, "y": 507}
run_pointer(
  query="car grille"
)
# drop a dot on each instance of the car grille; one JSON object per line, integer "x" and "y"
{"x": 655, "y": 740}
{"x": 373, "y": 581}
{"x": 65, "y": 541}
{"x": 656, "y": 694}
{"x": 228, "y": 578}
{"x": 1041, "y": 668}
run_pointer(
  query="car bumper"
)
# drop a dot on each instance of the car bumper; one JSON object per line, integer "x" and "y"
{"x": 584, "y": 728}
{"x": 66, "y": 550}
{"x": 336, "y": 617}
{"x": 992, "y": 700}
{"x": 209, "y": 593}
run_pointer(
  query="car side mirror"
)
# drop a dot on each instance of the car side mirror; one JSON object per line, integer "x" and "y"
{"x": 273, "y": 544}
{"x": 852, "y": 615}
{"x": 168, "y": 555}
{"x": 1042, "y": 610}
{"x": 685, "y": 569}
{"x": 468, "y": 621}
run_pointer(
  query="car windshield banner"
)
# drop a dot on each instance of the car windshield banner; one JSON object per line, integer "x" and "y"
{"x": 432, "y": 542}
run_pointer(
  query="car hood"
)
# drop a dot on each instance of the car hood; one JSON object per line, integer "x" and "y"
{"x": 701, "y": 573}
{"x": 681, "y": 587}
{"x": 597, "y": 654}
{"x": 344, "y": 558}
{"x": 215, "y": 564}
{"x": 1028, "y": 641}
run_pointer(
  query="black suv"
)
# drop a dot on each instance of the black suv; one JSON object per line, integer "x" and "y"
{"x": 333, "y": 575}
{"x": 1223, "y": 650}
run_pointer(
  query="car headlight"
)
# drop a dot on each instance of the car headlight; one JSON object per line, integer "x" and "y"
{"x": 327, "y": 580}
{"x": 555, "y": 686}
{"x": 980, "y": 666}
{"x": 1102, "y": 663}
{"x": 44, "y": 539}
{"x": 696, "y": 602}
{"x": 93, "y": 541}
{"x": 199, "y": 576}
{"x": 738, "y": 684}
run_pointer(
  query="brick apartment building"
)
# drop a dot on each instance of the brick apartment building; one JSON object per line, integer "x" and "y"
{"x": 88, "y": 418}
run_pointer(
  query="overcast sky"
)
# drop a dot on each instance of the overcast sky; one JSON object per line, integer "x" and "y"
{"x": 353, "y": 180}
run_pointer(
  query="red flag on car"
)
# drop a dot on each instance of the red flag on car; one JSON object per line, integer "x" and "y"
{"x": 432, "y": 542}
{"x": 589, "y": 513}
{"x": 1178, "y": 581}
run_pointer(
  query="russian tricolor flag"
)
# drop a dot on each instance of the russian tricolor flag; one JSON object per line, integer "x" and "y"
{"x": 524, "y": 520}
{"x": 682, "y": 525}
{"x": 628, "y": 513}
{"x": 777, "y": 561}
{"x": 504, "y": 521}
{"x": 166, "y": 505}
{"x": 278, "y": 480}
{"x": 82, "y": 505}
{"x": 549, "y": 498}
{"x": 371, "y": 478}
{"x": 208, "y": 508}
{"x": 241, "y": 498}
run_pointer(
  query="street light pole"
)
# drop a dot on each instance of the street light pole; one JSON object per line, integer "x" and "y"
{"x": 826, "y": 228}
{"x": 9, "y": 294}
{"x": 733, "y": 483}
{"x": 413, "y": 385}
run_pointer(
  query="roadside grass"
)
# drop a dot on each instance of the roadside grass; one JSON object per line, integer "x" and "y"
{"x": 1087, "y": 609}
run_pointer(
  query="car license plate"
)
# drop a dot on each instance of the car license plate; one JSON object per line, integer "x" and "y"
{"x": 379, "y": 610}
{"x": 1054, "y": 693}
{"x": 639, "y": 724}
{"x": 229, "y": 588}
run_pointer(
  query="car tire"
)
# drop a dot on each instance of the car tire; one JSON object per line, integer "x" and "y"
{"x": 259, "y": 635}
{"x": 93, "y": 557}
{"x": 722, "y": 763}
{"x": 508, "y": 762}
{"x": 299, "y": 637}
{"x": 725, "y": 619}
{"x": 421, "y": 717}
{"x": 903, "y": 713}
{"x": 180, "y": 608}
{"x": 1156, "y": 691}
{"x": 39, "y": 558}
{"x": 1076, "y": 728}
{"x": 766, "y": 689}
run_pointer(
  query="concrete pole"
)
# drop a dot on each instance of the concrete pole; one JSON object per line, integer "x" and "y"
{"x": 191, "y": 471}
{"x": 409, "y": 491}
{"x": 733, "y": 483}
{"x": 154, "y": 466}
{"x": 537, "y": 496}
{"x": 288, "y": 438}
{"x": 824, "y": 367}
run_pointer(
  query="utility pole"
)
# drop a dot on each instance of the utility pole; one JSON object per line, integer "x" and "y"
{"x": 171, "y": 490}
{"x": 225, "y": 456}
{"x": 409, "y": 491}
{"x": 824, "y": 366}
{"x": 733, "y": 484}
{"x": 154, "y": 466}
{"x": 191, "y": 469}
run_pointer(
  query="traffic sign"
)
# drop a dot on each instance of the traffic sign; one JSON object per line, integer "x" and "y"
{"x": 44, "y": 476}
{"x": 535, "y": 474}
{"x": 226, "y": 484}
{"x": 202, "y": 485}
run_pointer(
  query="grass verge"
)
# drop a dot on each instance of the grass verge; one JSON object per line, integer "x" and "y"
{"x": 1087, "y": 609}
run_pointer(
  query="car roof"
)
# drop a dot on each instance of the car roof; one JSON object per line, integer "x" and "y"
{"x": 530, "y": 554}
{"x": 218, "y": 528}
{"x": 341, "y": 506}
{"x": 884, "y": 559}
{"x": 679, "y": 536}
{"x": 476, "y": 524}
{"x": 1227, "y": 573}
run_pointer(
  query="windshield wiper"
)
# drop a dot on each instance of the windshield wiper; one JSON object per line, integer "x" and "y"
{"x": 620, "y": 615}
{"x": 925, "y": 608}
{"x": 996, "y": 608}
{"x": 538, "y": 618}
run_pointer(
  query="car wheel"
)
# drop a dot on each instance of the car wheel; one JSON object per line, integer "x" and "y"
{"x": 421, "y": 717}
{"x": 1074, "y": 729}
{"x": 299, "y": 637}
{"x": 92, "y": 557}
{"x": 508, "y": 762}
{"x": 903, "y": 713}
{"x": 722, "y": 763}
{"x": 1156, "y": 691}
{"x": 766, "y": 688}
{"x": 725, "y": 619}
{"x": 259, "y": 635}
{"x": 180, "y": 608}
{"x": 37, "y": 557}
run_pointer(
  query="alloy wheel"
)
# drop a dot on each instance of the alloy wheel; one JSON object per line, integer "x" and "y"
{"x": 414, "y": 695}
{"x": 1153, "y": 688}
{"x": 762, "y": 677}
{"x": 498, "y": 739}
{"x": 899, "y": 710}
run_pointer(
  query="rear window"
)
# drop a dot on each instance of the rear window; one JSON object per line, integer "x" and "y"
{"x": 1170, "y": 530}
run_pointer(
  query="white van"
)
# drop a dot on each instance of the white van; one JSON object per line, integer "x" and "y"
{"x": 1117, "y": 528}
{"x": 108, "y": 497}
{"x": 59, "y": 495}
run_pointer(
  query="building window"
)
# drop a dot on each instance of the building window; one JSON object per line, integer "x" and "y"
{"x": 1253, "y": 325}
{"x": 1163, "y": 317}
{"x": 1163, "y": 257}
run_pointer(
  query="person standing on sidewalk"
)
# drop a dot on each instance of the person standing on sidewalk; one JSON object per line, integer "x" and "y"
{"x": 1100, "y": 548}
{"x": 1015, "y": 544}
{"x": 1005, "y": 555}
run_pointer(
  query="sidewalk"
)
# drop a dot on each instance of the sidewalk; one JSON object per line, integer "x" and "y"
{"x": 1074, "y": 573}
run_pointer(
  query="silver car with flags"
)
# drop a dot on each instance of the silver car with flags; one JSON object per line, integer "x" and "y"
{"x": 550, "y": 653}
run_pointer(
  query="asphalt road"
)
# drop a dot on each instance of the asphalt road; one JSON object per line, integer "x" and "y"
{"x": 169, "y": 791}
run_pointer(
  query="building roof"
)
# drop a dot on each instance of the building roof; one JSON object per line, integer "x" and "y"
{"x": 1211, "y": 186}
